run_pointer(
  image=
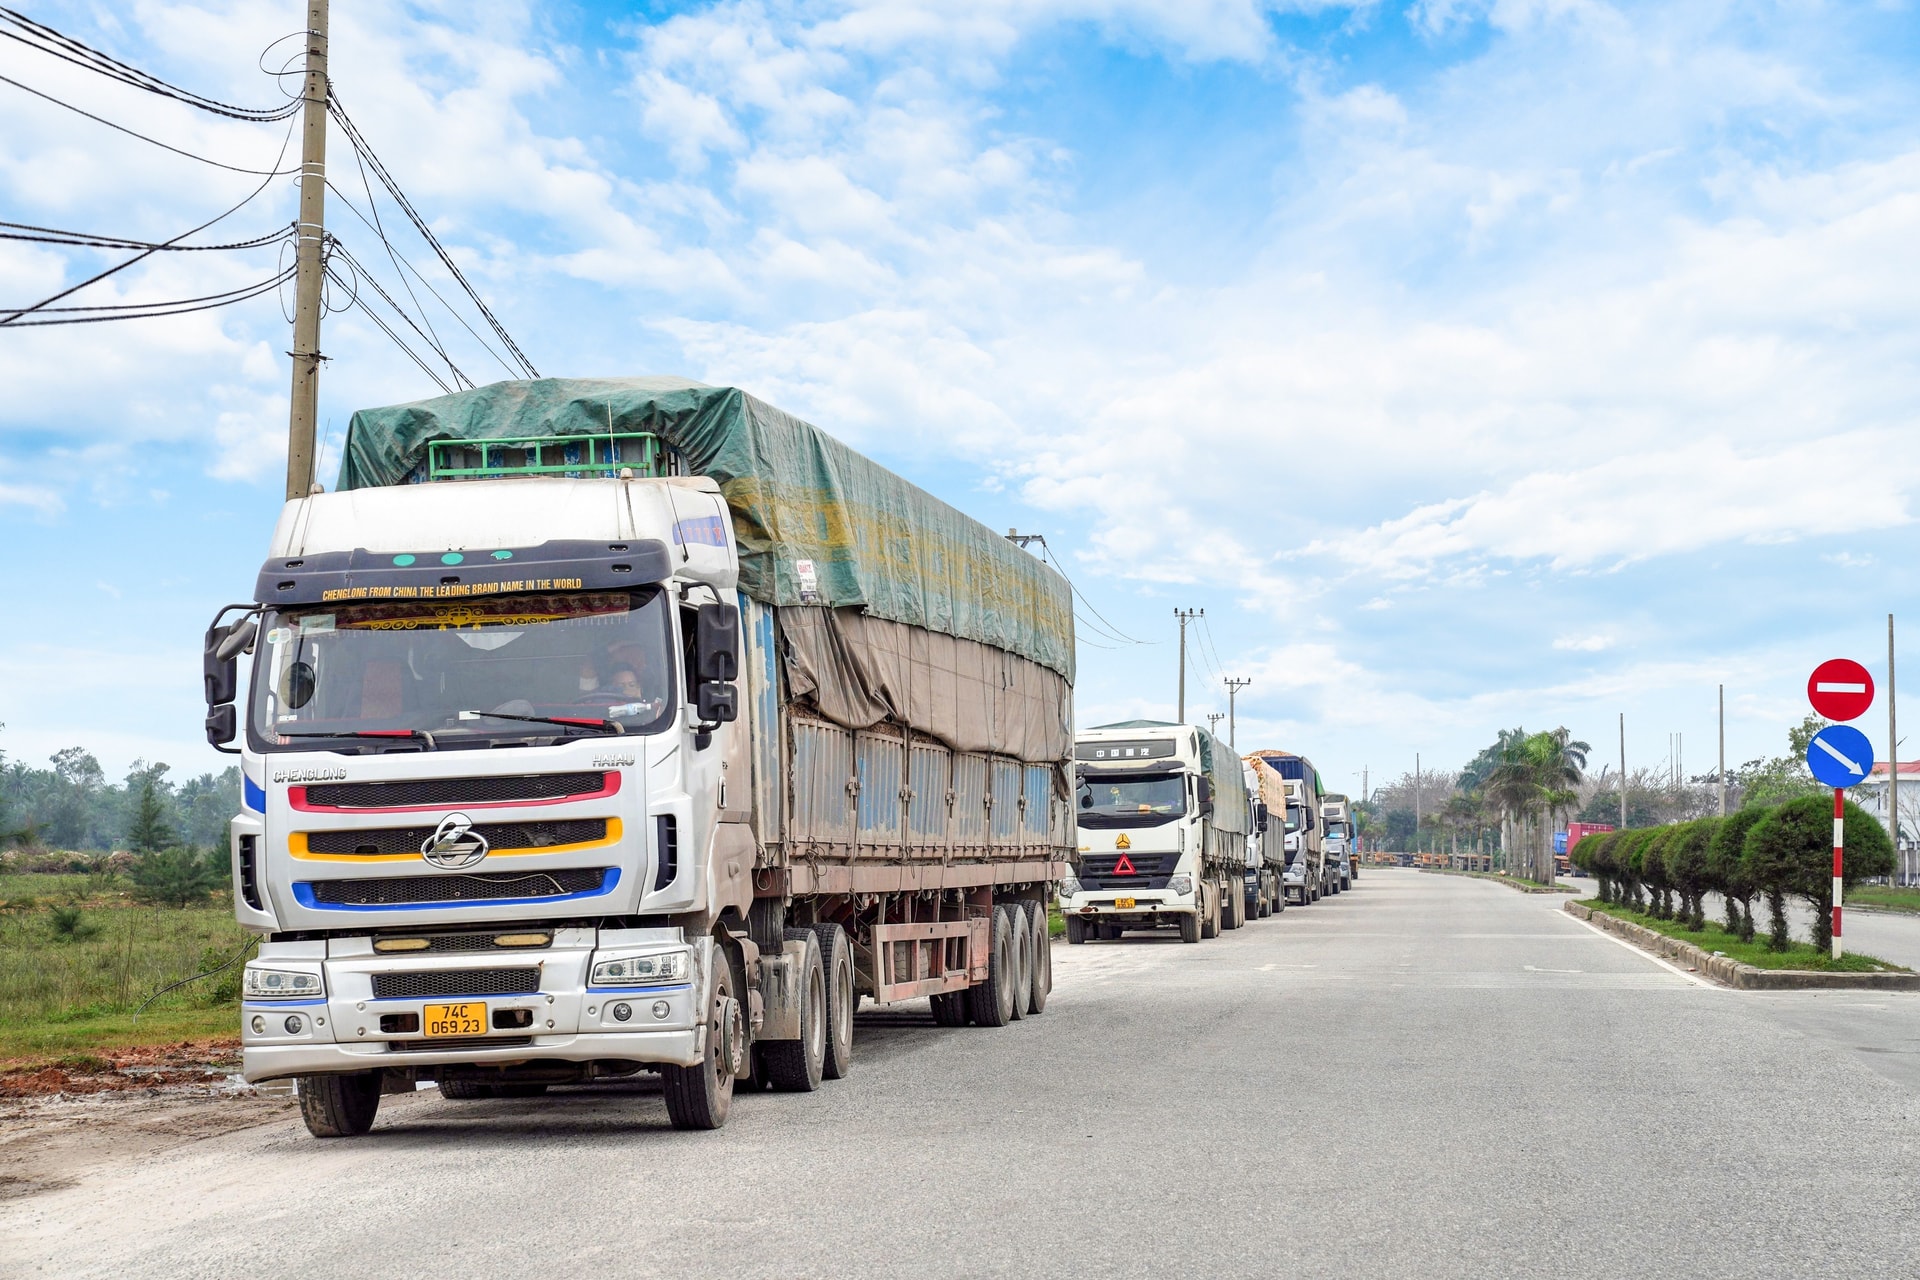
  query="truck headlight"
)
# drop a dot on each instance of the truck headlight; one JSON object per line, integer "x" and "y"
{"x": 1180, "y": 884}
{"x": 280, "y": 984}
{"x": 1069, "y": 886}
{"x": 640, "y": 971}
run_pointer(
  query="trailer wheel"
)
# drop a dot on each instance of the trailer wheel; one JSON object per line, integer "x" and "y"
{"x": 1190, "y": 927}
{"x": 836, "y": 958}
{"x": 699, "y": 1097}
{"x": 464, "y": 1090}
{"x": 796, "y": 1066}
{"x": 340, "y": 1106}
{"x": 1042, "y": 956}
{"x": 1210, "y": 911}
{"x": 1022, "y": 956}
{"x": 1076, "y": 931}
{"x": 949, "y": 1008}
{"x": 990, "y": 1003}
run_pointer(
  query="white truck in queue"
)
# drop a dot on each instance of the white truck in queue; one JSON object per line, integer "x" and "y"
{"x": 1266, "y": 852}
{"x": 1342, "y": 846}
{"x": 1163, "y": 818}
{"x": 1310, "y": 874}
{"x": 590, "y": 734}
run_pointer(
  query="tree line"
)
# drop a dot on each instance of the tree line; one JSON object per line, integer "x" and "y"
{"x": 1773, "y": 851}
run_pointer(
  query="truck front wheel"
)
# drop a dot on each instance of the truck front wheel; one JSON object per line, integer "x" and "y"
{"x": 1076, "y": 931}
{"x": 699, "y": 1097}
{"x": 795, "y": 1066}
{"x": 340, "y": 1106}
{"x": 1190, "y": 927}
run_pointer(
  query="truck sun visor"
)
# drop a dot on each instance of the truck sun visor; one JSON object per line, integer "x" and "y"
{"x": 340, "y": 576}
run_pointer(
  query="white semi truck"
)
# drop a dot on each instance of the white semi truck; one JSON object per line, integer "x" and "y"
{"x": 1342, "y": 846}
{"x": 1266, "y": 851}
{"x": 619, "y": 726}
{"x": 1310, "y": 874}
{"x": 1163, "y": 818}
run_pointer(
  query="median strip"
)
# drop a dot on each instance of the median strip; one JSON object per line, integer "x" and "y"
{"x": 1863, "y": 972}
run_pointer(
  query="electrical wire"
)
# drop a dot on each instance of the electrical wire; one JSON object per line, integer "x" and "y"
{"x": 432, "y": 341}
{"x": 271, "y": 173}
{"x": 387, "y": 329}
{"x": 372, "y": 160}
{"x": 13, "y": 317}
{"x": 1208, "y": 651}
{"x": 1107, "y": 630}
{"x": 373, "y": 206}
{"x": 149, "y": 310}
{"x": 56, "y": 44}
{"x": 84, "y": 239}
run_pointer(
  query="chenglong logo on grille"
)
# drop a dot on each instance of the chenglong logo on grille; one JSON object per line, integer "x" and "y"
{"x": 454, "y": 844}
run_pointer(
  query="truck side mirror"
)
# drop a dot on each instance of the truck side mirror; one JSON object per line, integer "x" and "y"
{"x": 220, "y": 666}
{"x": 716, "y": 644}
{"x": 222, "y": 724}
{"x": 716, "y": 702}
{"x": 1260, "y": 817}
{"x": 1205, "y": 794}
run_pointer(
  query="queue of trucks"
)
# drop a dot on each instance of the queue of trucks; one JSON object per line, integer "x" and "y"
{"x": 594, "y": 728}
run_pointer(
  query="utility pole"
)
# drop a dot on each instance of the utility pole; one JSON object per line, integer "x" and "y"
{"x": 308, "y": 266}
{"x": 1623, "y": 771}
{"x": 1185, "y": 616}
{"x": 1416, "y": 799}
{"x": 1723, "y": 751}
{"x": 1234, "y": 687}
{"x": 1893, "y": 759}
{"x": 1213, "y": 720}
{"x": 1366, "y": 796}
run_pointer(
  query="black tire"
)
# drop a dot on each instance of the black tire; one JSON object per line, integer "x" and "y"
{"x": 464, "y": 1090}
{"x": 1210, "y": 915}
{"x": 340, "y": 1106}
{"x": 1040, "y": 971}
{"x": 1022, "y": 956}
{"x": 990, "y": 1003}
{"x": 949, "y": 1008}
{"x": 1190, "y": 927}
{"x": 836, "y": 959}
{"x": 797, "y": 1066}
{"x": 700, "y": 1096}
{"x": 1076, "y": 931}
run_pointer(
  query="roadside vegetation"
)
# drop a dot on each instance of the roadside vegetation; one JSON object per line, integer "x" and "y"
{"x": 1713, "y": 937}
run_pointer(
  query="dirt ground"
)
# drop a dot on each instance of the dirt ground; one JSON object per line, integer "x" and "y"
{"x": 59, "y": 1122}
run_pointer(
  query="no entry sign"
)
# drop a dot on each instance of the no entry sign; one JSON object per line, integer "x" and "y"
{"x": 1840, "y": 689}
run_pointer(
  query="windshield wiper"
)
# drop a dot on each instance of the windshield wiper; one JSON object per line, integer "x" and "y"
{"x": 418, "y": 735}
{"x": 565, "y": 722}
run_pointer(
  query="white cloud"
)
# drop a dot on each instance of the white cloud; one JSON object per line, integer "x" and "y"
{"x": 1584, "y": 644}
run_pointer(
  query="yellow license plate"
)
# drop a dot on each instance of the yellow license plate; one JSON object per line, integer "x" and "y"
{"x": 465, "y": 1019}
{"x": 1123, "y": 904}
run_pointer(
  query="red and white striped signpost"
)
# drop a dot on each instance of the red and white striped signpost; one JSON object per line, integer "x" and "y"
{"x": 1840, "y": 689}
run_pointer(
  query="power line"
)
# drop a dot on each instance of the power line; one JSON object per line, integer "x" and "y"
{"x": 64, "y": 47}
{"x": 149, "y": 310}
{"x": 85, "y": 239}
{"x": 1108, "y": 630}
{"x": 360, "y": 272}
{"x": 365, "y": 151}
{"x": 271, "y": 173}
{"x": 373, "y": 207}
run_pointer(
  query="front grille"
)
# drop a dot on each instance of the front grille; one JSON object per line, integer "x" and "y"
{"x": 499, "y": 835}
{"x": 463, "y": 942}
{"x": 1150, "y": 870}
{"x": 456, "y": 982}
{"x": 454, "y": 791}
{"x": 467, "y": 888}
{"x": 444, "y": 1046}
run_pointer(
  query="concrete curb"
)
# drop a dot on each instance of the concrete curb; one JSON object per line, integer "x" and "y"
{"x": 1481, "y": 875}
{"x": 1731, "y": 973}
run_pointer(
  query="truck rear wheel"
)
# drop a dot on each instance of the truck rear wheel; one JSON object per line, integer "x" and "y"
{"x": 796, "y": 1066}
{"x": 1022, "y": 956}
{"x": 949, "y": 1008}
{"x": 836, "y": 958}
{"x": 340, "y": 1106}
{"x": 1042, "y": 968}
{"x": 1210, "y": 911}
{"x": 990, "y": 1003}
{"x": 699, "y": 1097}
{"x": 1190, "y": 927}
{"x": 1076, "y": 931}
{"x": 464, "y": 1090}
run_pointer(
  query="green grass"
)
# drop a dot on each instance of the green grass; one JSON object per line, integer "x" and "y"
{"x": 80, "y": 992}
{"x": 1885, "y": 897}
{"x": 1799, "y": 955}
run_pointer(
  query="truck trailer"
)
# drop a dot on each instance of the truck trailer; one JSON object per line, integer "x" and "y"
{"x": 599, "y": 727}
{"x": 1163, "y": 817}
{"x": 1266, "y": 853}
{"x": 1310, "y": 874}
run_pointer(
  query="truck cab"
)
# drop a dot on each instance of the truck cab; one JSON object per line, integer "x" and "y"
{"x": 1342, "y": 848}
{"x": 1162, "y": 841}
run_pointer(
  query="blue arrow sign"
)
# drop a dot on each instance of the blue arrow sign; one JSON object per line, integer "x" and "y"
{"x": 1840, "y": 756}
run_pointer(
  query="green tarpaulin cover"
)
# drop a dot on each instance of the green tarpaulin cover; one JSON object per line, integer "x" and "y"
{"x": 875, "y": 541}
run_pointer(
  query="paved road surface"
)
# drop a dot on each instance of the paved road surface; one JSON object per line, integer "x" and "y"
{"x": 1429, "y": 1076}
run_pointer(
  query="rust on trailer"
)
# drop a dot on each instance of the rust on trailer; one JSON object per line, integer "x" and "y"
{"x": 800, "y": 879}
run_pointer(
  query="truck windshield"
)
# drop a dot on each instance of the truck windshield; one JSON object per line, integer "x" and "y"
{"x": 1132, "y": 800}
{"x": 1296, "y": 817}
{"x": 405, "y": 668}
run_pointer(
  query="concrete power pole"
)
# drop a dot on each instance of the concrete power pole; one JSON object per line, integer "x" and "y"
{"x": 1233, "y": 691}
{"x": 1723, "y": 751}
{"x": 1185, "y": 616}
{"x": 1416, "y": 799}
{"x": 1623, "y": 771}
{"x": 308, "y": 263}
{"x": 1893, "y": 760}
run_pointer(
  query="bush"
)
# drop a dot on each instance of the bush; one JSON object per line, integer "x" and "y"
{"x": 1627, "y": 861}
{"x": 1728, "y": 872}
{"x": 1653, "y": 872}
{"x": 69, "y": 925}
{"x": 1688, "y": 866}
{"x": 1791, "y": 851}
{"x": 176, "y": 877}
{"x": 1589, "y": 855}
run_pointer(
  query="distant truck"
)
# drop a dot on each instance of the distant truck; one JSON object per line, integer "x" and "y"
{"x": 630, "y": 725}
{"x": 1343, "y": 846}
{"x": 1563, "y": 842}
{"x": 1266, "y": 852}
{"x": 1308, "y": 876}
{"x": 1163, "y": 820}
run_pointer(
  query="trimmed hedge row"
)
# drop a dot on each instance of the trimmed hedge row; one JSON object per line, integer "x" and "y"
{"x": 1774, "y": 852}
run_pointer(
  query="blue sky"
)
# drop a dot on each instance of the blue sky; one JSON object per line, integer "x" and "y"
{"x": 1471, "y": 362}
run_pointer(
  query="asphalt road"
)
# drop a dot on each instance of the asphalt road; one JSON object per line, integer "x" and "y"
{"x": 1427, "y": 1076}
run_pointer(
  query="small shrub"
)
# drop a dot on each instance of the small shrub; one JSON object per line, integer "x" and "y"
{"x": 1790, "y": 851}
{"x": 176, "y": 877}
{"x": 69, "y": 925}
{"x": 1685, "y": 858}
{"x": 1728, "y": 871}
{"x": 1653, "y": 870}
